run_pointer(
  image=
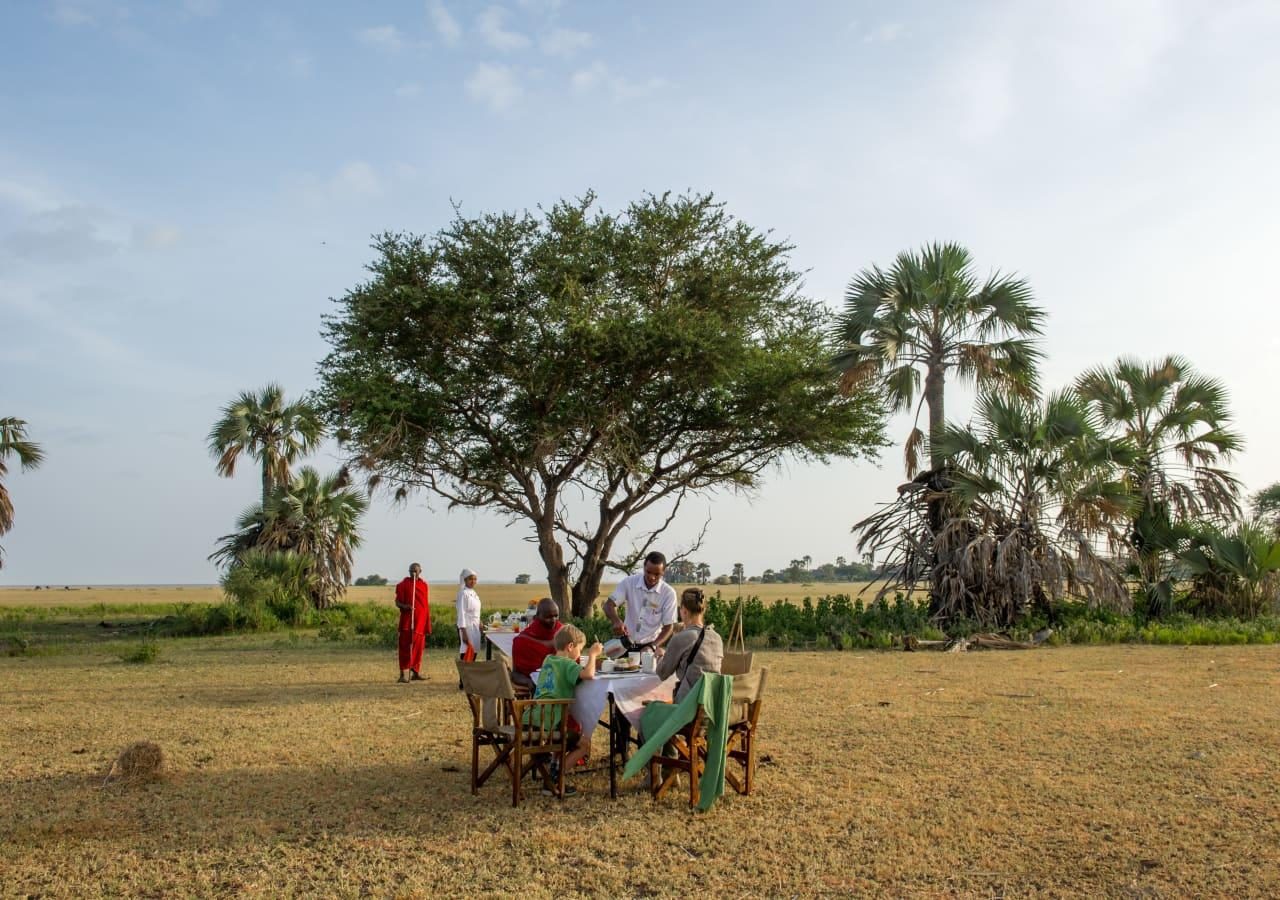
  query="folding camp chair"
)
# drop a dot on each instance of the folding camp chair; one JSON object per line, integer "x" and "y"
{"x": 525, "y": 734}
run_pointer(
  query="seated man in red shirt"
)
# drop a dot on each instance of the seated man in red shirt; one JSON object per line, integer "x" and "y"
{"x": 536, "y": 642}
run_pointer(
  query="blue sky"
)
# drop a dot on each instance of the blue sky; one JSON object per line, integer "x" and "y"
{"x": 184, "y": 185}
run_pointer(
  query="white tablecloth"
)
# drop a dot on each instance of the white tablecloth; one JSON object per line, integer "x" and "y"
{"x": 629, "y": 693}
{"x": 501, "y": 641}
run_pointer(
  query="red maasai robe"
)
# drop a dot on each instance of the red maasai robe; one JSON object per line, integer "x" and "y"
{"x": 415, "y": 624}
{"x": 527, "y": 655}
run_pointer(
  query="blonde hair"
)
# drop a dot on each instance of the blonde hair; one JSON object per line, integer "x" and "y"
{"x": 569, "y": 634}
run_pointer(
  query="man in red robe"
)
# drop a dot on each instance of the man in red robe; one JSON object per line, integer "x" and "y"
{"x": 415, "y": 623}
{"x": 532, "y": 645}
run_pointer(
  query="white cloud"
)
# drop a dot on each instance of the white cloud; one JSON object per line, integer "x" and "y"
{"x": 564, "y": 42}
{"x": 600, "y": 76}
{"x": 202, "y": 7}
{"x": 409, "y": 91}
{"x": 71, "y": 14}
{"x": 383, "y": 37}
{"x": 883, "y": 34}
{"x": 65, "y": 234}
{"x": 446, "y": 25}
{"x": 584, "y": 80}
{"x": 358, "y": 178}
{"x": 158, "y": 237}
{"x": 490, "y": 25}
{"x": 495, "y": 86}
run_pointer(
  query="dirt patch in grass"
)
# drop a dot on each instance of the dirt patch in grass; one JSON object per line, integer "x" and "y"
{"x": 1118, "y": 771}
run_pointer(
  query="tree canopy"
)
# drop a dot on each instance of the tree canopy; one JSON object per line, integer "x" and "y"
{"x": 524, "y": 362}
{"x": 930, "y": 313}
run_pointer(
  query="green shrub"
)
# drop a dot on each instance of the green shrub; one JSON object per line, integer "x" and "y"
{"x": 146, "y": 652}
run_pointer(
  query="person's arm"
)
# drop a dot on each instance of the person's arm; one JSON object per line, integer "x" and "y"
{"x": 589, "y": 670}
{"x": 403, "y": 607}
{"x": 611, "y": 611}
{"x": 668, "y": 661}
{"x": 662, "y": 637}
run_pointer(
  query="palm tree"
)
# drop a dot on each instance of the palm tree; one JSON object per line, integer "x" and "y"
{"x": 14, "y": 443}
{"x": 267, "y": 429}
{"x": 315, "y": 517}
{"x": 1034, "y": 491}
{"x": 930, "y": 314}
{"x": 1177, "y": 422}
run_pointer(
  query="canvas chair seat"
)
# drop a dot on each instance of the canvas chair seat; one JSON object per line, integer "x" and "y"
{"x": 513, "y": 727}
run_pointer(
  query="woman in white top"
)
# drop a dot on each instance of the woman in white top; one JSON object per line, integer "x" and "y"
{"x": 468, "y": 612}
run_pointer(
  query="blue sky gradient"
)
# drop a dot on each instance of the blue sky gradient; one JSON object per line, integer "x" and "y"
{"x": 183, "y": 186}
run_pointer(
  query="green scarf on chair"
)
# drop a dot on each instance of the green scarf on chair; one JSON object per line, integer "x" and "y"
{"x": 660, "y": 721}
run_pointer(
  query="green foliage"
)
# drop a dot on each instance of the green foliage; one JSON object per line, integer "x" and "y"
{"x": 1266, "y": 505}
{"x": 1176, "y": 423}
{"x": 314, "y": 518}
{"x": 631, "y": 358}
{"x": 146, "y": 652}
{"x": 1235, "y": 573}
{"x": 14, "y": 443}
{"x": 276, "y": 583}
{"x": 370, "y": 581}
{"x": 262, "y": 426}
{"x": 931, "y": 313}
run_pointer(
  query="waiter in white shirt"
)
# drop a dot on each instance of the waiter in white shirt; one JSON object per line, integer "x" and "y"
{"x": 650, "y": 605}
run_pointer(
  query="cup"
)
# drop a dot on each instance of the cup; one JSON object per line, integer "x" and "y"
{"x": 606, "y": 665}
{"x": 582, "y": 660}
{"x": 648, "y": 662}
{"x": 634, "y": 658}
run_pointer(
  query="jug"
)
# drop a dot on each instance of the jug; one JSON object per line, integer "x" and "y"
{"x": 647, "y": 662}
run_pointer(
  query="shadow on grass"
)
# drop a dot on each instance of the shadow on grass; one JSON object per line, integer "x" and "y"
{"x": 293, "y": 805}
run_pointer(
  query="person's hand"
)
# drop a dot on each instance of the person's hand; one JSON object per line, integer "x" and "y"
{"x": 595, "y": 649}
{"x": 659, "y": 652}
{"x": 620, "y": 628}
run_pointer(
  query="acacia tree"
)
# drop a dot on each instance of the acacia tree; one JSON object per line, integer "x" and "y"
{"x": 262, "y": 426}
{"x": 930, "y": 315}
{"x": 14, "y": 443}
{"x": 525, "y": 363}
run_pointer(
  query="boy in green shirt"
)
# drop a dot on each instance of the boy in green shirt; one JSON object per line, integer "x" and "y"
{"x": 559, "y": 677}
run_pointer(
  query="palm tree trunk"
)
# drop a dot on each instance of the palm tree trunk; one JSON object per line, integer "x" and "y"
{"x": 934, "y": 386}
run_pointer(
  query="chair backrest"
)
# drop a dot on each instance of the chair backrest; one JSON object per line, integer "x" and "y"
{"x": 736, "y": 663}
{"x": 748, "y": 690}
{"x": 488, "y": 687}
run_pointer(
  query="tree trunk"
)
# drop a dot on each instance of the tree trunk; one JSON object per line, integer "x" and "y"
{"x": 553, "y": 558}
{"x": 594, "y": 556}
{"x": 266, "y": 486}
{"x": 934, "y": 386}
{"x": 934, "y": 389}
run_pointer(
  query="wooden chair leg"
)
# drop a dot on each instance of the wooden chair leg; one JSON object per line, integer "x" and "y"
{"x": 517, "y": 775}
{"x": 475, "y": 764}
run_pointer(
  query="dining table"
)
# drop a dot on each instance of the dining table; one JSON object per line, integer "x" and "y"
{"x": 615, "y": 701}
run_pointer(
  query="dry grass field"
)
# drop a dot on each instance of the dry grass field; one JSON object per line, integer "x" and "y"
{"x": 301, "y": 769}
{"x": 492, "y": 596}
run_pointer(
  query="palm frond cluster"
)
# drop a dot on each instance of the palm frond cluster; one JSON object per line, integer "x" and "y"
{"x": 1096, "y": 492}
{"x": 14, "y": 444}
{"x": 302, "y": 536}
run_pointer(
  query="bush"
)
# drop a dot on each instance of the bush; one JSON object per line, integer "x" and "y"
{"x": 146, "y": 652}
